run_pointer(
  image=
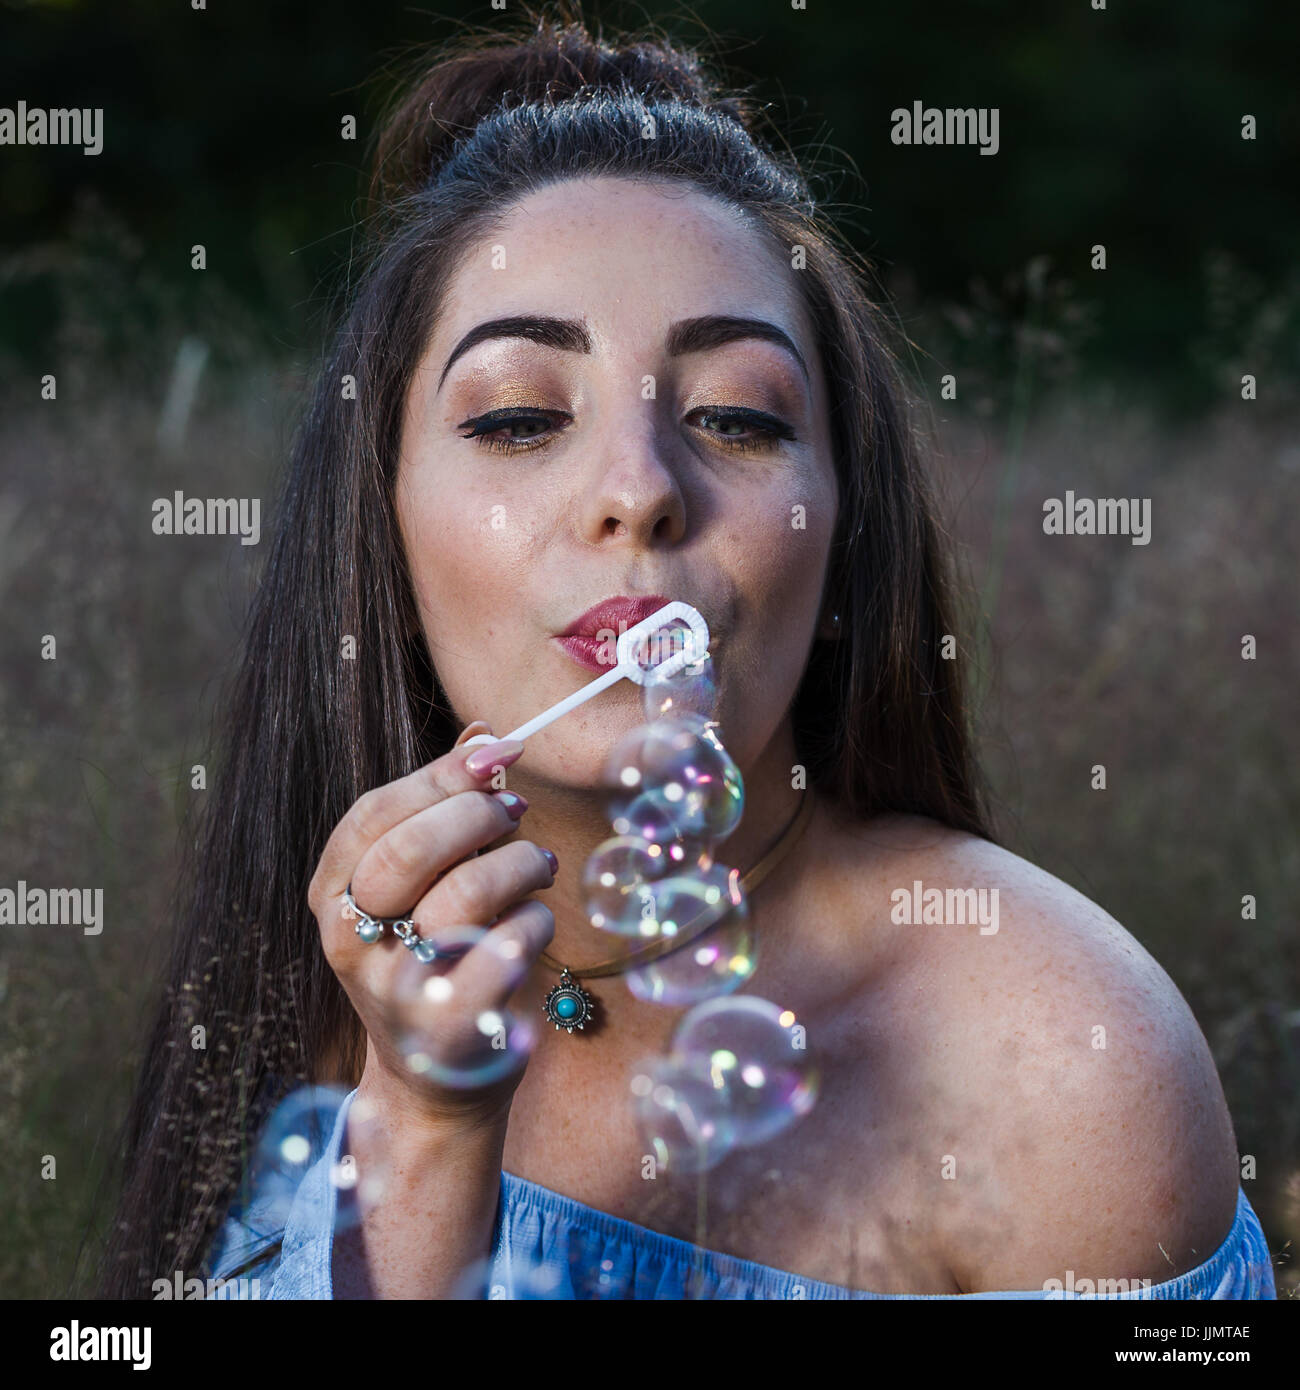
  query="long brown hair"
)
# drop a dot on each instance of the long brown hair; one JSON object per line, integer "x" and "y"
{"x": 879, "y": 720}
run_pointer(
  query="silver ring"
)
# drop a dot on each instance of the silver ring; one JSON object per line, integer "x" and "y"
{"x": 370, "y": 929}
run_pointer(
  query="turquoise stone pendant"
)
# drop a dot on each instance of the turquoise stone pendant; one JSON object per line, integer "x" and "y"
{"x": 568, "y": 1005}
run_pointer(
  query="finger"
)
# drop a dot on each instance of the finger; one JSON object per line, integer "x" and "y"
{"x": 479, "y": 890}
{"x": 396, "y": 872}
{"x": 378, "y": 810}
{"x": 495, "y": 966}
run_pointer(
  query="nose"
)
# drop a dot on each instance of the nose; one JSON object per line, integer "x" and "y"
{"x": 633, "y": 490}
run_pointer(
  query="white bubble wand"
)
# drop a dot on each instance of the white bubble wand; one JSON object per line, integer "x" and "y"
{"x": 627, "y": 664}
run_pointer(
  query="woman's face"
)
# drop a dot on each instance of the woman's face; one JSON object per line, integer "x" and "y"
{"x": 634, "y": 450}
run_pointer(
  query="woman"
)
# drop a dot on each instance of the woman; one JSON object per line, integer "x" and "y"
{"x": 604, "y": 348}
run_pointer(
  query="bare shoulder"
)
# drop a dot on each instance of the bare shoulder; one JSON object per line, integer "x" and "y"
{"x": 1067, "y": 1096}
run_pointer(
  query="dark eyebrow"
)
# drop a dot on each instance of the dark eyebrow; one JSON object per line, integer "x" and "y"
{"x": 713, "y": 330}
{"x": 566, "y": 334}
{"x": 570, "y": 335}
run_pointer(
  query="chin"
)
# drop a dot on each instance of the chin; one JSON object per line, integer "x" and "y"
{"x": 576, "y": 748}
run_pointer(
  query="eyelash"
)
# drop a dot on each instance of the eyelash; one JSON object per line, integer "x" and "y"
{"x": 483, "y": 427}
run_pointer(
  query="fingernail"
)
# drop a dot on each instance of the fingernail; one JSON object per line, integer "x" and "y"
{"x": 555, "y": 863}
{"x": 515, "y": 804}
{"x": 501, "y": 754}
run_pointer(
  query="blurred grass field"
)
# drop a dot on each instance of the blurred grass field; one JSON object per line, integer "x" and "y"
{"x": 1092, "y": 650}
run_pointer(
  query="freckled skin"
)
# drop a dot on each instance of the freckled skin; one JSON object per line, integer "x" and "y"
{"x": 932, "y": 1040}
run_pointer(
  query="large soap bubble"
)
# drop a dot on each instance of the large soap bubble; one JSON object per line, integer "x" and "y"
{"x": 672, "y": 780}
{"x": 754, "y": 1050}
{"x": 682, "y": 1112}
{"x": 294, "y": 1139}
{"x": 614, "y": 881}
{"x": 717, "y": 960}
{"x": 444, "y": 1037}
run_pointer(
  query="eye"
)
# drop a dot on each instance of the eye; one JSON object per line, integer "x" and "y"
{"x": 745, "y": 431}
{"x": 512, "y": 431}
{"x": 492, "y": 431}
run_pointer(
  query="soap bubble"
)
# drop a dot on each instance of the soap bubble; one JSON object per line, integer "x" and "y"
{"x": 678, "y": 903}
{"x": 293, "y": 1140}
{"x": 692, "y": 690}
{"x": 754, "y": 1049}
{"x": 612, "y": 880}
{"x": 444, "y": 1039}
{"x": 718, "y": 960}
{"x": 635, "y": 887}
{"x": 682, "y": 1112}
{"x": 673, "y": 780}
{"x": 656, "y": 646}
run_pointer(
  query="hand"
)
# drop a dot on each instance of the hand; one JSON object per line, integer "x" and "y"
{"x": 410, "y": 849}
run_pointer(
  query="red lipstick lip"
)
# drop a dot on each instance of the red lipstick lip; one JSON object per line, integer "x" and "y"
{"x": 597, "y": 656}
{"x": 614, "y": 615}
{"x": 592, "y": 639}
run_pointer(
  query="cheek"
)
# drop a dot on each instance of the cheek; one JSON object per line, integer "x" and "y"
{"x": 782, "y": 542}
{"x": 466, "y": 550}
{"x": 777, "y": 545}
{"x": 465, "y": 560}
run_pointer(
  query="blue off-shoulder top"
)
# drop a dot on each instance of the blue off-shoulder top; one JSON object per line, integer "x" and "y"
{"x": 275, "y": 1244}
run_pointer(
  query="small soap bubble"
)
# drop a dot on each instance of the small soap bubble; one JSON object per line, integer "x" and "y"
{"x": 443, "y": 1035}
{"x": 682, "y": 1113}
{"x": 672, "y": 780}
{"x": 692, "y": 690}
{"x": 752, "y": 1048}
{"x": 666, "y": 640}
